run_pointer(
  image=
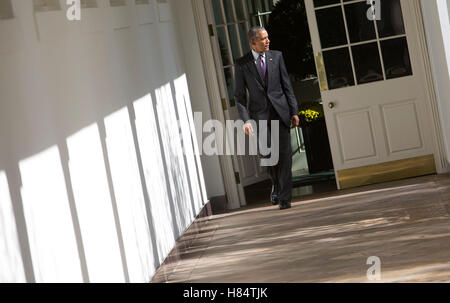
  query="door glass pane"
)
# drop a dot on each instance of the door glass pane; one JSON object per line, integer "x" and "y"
{"x": 359, "y": 27}
{"x": 266, "y": 5}
{"x": 258, "y": 6}
{"x": 114, "y": 3}
{"x": 254, "y": 21}
{"x": 228, "y": 10}
{"x": 229, "y": 80}
{"x": 6, "y": 11}
{"x": 338, "y": 68}
{"x": 331, "y": 35}
{"x": 251, "y": 6}
{"x": 234, "y": 42}
{"x": 265, "y": 20}
{"x": 93, "y": 3}
{"x": 391, "y": 22}
{"x": 217, "y": 11}
{"x": 318, "y": 3}
{"x": 239, "y": 10}
{"x": 244, "y": 40}
{"x": 221, "y": 35}
{"x": 366, "y": 58}
{"x": 46, "y": 5}
{"x": 396, "y": 58}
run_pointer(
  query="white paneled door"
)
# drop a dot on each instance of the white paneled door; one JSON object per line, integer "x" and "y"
{"x": 372, "y": 81}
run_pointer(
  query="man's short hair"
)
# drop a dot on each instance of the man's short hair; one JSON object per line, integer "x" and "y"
{"x": 253, "y": 32}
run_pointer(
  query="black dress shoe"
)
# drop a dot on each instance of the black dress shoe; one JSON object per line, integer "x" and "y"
{"x": 285, "y": 205}
{"x": 274, "y": 196}
{"x": 274, "y": 199}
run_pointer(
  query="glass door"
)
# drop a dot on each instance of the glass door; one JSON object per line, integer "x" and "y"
{"x": 231, "y": 21}
{"x": 373, "y": 88}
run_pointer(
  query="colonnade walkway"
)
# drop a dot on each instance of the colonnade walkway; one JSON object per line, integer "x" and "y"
{"x": 325, "y": 237}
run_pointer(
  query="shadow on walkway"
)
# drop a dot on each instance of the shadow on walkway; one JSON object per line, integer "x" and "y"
{"x": 327, "y": 237}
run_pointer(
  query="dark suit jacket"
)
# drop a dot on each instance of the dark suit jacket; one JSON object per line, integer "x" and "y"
{"x": 278, "y": 89}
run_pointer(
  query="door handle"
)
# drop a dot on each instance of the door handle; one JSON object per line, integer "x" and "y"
{"x": 331, "y": 105}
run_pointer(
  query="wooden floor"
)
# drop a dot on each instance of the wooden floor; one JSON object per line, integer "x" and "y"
{"x": 327, "y": 237}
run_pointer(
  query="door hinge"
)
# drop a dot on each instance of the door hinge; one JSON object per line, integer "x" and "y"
{"x": 224, "y": 104}
{"x": 238, "y": 179}
{"x": 211, "y": 30}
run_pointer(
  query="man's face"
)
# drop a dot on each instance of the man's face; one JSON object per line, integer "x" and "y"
{"x": 261, "y": 43}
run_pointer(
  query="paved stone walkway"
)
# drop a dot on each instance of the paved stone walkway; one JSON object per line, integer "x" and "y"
{"x": 327, "y": 238}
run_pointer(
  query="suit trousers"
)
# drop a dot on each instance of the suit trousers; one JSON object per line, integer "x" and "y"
{"x": 280, "y": 173}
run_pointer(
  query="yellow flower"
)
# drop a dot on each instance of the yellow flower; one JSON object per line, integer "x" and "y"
{"x": 310, "y": 115}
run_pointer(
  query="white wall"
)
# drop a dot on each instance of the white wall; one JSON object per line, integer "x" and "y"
{"x": 437, "y": 26}
{"x": 96, "y": 179}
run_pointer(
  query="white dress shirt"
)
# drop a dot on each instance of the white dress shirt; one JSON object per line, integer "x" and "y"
{"x": 256, "y": 56}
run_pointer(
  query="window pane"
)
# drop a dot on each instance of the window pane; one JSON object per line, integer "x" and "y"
{"x": 46, "y": 5}
{"x": 234, "y": 42}
{"x": 367, "y": 62}
{"x": 338, "y": 68}
{"x": 244, "y": 40}
{"x": 391, "y": 22}
{"x": 228, "y": 11}
{"x": 266, "y": 5}
{"x": 221, "y": 35}
{"x": 259, "y": 7}
{"x": 217, "y": 11}
{"x": 254, "y": 21}
{"x": 229, "y": 80}
{"x": 318, "y": 3}
{"x": 396, "y": 58}
{"x": 114, "y": 3}
{"x": 359, "y": 27}
{"x": 93, "y": 3}
{"x": 265, "y": 20}
{"x": 239, "y": 10}
{"x": 251, "y": 6}
{"x": 6, "y": 11}
{"x": 331, "y": 35}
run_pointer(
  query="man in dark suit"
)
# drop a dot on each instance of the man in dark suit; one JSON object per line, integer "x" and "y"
{"x": 263, "y": 73}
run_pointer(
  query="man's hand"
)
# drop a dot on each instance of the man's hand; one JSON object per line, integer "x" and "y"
{"x": 248, "y": 129}
{"x": 295, "y": 121}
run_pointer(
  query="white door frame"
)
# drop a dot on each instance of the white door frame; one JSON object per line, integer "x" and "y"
{"x": 233, "y": 190}
{"x": 431, "y": 99}
{"x": 214, "y": 92}
{"x": 260, "y": 174}
{"x": 440, "y": 152}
